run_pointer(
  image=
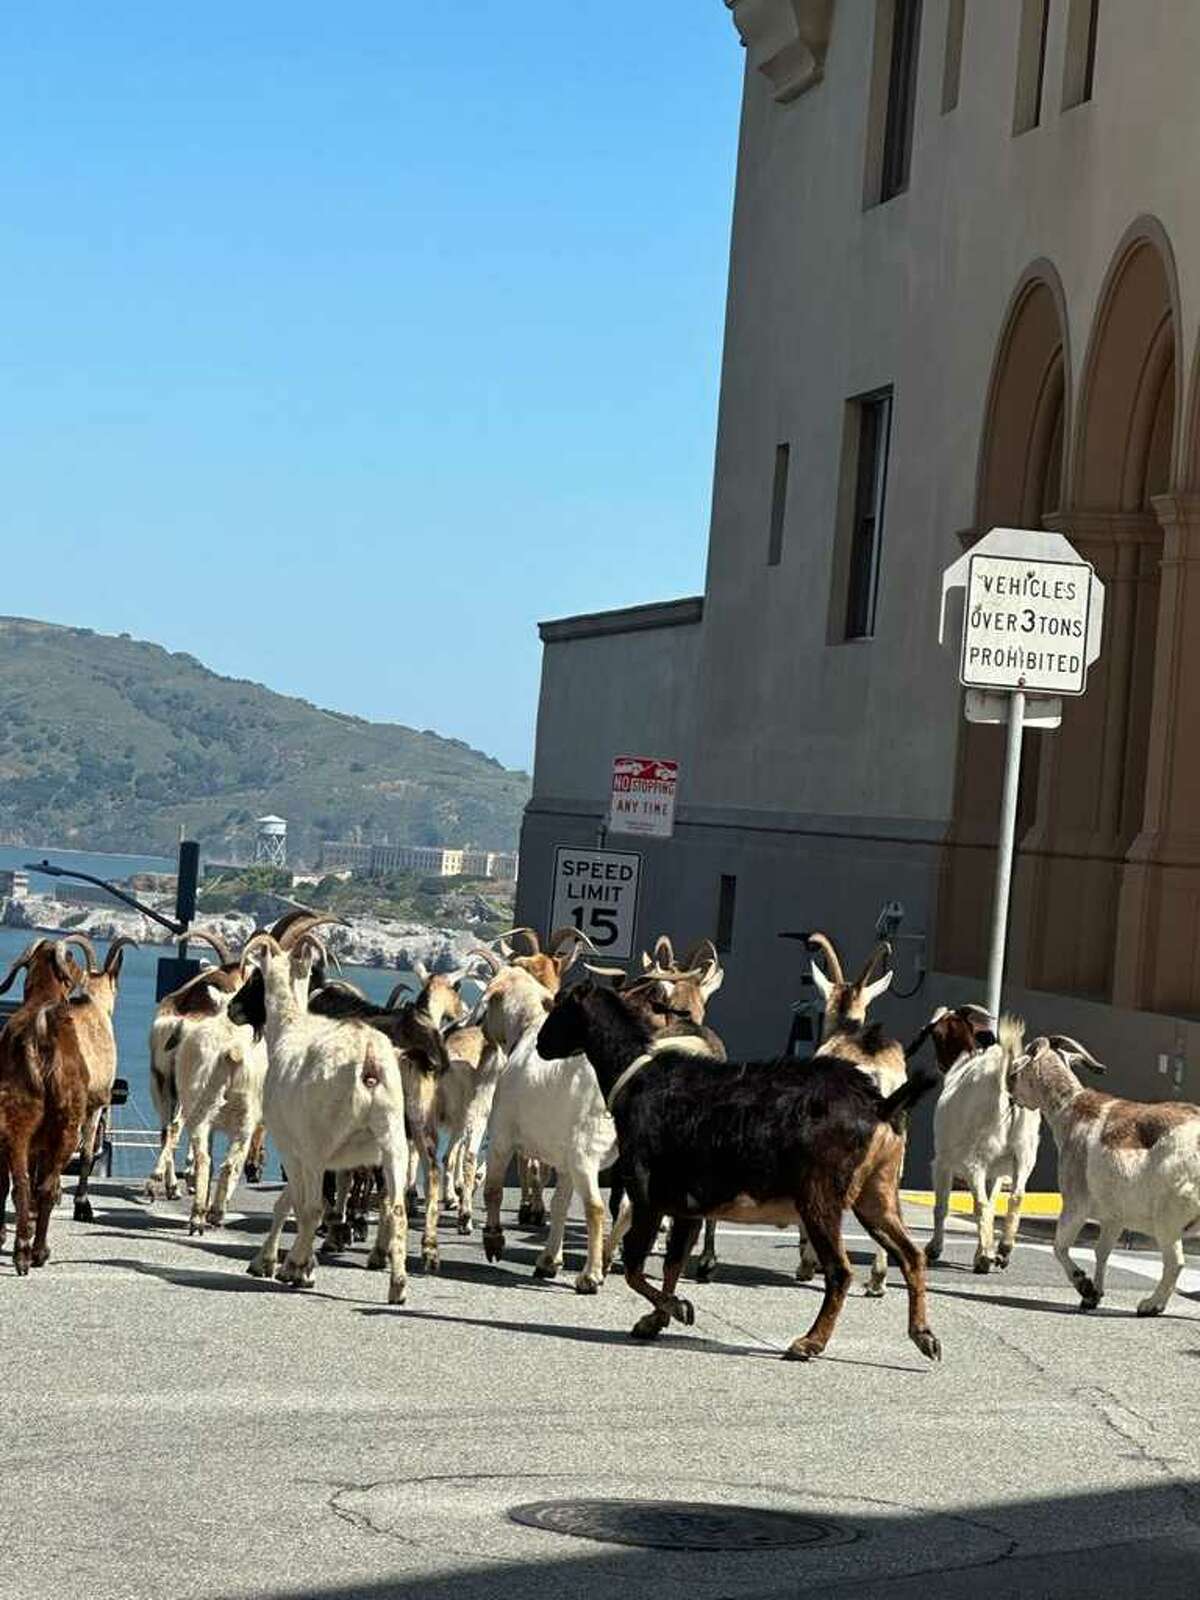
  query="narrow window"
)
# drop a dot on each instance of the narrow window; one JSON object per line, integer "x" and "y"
{"x": 778, "y": 505}
{"x": 952, "y": 64}
{"x": 1079, "y": 73}
{"x": 1031, "y": 64}
{"x": 866, "y": 532}
{"x": 901, "y": 98}
{"x": 726, "y": 906}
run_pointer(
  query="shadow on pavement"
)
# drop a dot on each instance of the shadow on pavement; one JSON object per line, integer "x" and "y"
{"x": 1139, "y": 1543}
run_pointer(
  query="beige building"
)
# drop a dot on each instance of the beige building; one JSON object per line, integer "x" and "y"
{"x": 964, "y": 291}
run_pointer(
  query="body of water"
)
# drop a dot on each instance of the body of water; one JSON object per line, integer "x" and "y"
{"x": 112, "y": 867}
{"x": 135, "y": 1009}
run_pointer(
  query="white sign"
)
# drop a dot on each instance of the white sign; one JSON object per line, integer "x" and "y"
{"x": 1025, "y": 625}
{"x": 643, "y": 796}
{"x": 1033, "y": 615}
{"x": 596, "y": 891}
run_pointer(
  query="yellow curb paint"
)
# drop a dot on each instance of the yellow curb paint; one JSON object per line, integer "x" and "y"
{"x": 1036, "y": 1205}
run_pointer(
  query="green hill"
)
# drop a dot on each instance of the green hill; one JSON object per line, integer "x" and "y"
{"x": 113, "y": 744}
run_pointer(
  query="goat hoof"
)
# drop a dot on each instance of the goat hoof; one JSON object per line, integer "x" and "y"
{"x": 876, "y": 1288}
{"x": 252, "y": 1172}
{"x": 705, "y": 1269}
{"x": 153, "y": 1189}
{"x": 588, "y": 1283}
{"x": 21, "y": 1259}
{"x": 465, "y": 1225}
{"x": 430, "y": 1261}
{"x": 546, "y": 1269}
{"x": 803, "y": 1349}
{"x": 377, "y": 1260}
{"x": 39, "y": 1258}
{"x": 523, "y": 1213}
{"x": 650, "y": 1326}
{"x": 83, "y": 1211}
{"x": 261, "y": 1267}
{"x": 195, "y": 1225}
{"x": 397, "y": 1291}
{"x": 171, "y": 1192}
{"x": 982, "y": 1265}
{"x": 683, "y": 1311}
{"x": 805, "y": 1272}
{"x": 358, "y": 1230}
{"x": 337, "y": 1236}
{"x": 927, "y": 1343}
{"x": 1148, "y": 1308}
{"x": 1003, "y": 1257}
{"x": 215, "y": 1219}
{"x": 537, "y": 1216}
{"x": 493, "y": 1243}
{"x": 933, "y": 1254}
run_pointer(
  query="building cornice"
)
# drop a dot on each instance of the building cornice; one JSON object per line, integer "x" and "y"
{"x": 786, "y": 41}
{"x": 631, "y": 619}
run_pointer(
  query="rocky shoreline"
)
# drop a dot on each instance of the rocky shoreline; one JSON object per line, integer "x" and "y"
{"x": 365, "y": 942}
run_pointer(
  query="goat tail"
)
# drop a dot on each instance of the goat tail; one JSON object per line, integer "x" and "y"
{"x": 374, "y": 1065}
{"x": 1011, "y": 1037}
{"x": 916, "y": 1086}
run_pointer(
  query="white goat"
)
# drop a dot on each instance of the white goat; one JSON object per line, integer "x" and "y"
{"x": 1124, "y": 1163}
{"x": 554, "y": 1112}
{"x": 980, "y": 1133}
{"x": 333, "y": 1099}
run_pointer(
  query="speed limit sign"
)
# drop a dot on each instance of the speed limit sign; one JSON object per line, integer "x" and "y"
{"x": 596, "y": 891}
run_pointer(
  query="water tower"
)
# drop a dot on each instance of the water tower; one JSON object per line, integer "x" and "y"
{"x": 270, "y": 841}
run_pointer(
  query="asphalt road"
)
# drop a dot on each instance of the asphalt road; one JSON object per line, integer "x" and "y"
{"x": 173, "y": 1427}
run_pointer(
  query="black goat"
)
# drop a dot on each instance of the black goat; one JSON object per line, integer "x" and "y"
{"x": 744, "y": 1142}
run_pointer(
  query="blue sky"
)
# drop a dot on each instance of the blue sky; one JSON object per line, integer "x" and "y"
{"x": 341, "y": 344}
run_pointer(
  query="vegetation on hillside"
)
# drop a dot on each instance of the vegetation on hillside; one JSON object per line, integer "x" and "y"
{"x": 409, "y": 897}
{"x": 112, "y": 743}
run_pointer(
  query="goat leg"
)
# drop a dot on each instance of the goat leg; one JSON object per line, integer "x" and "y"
{"x": 878, "y": 1209}
{"x": 706, "y": 1266}
{"x": 23, "y": 1244}
{"x": 549, "y": 1262}
{"x": 825, "y": 1237}
{"x": 3, "y": 1198}
{"x": 82, "y": 1209}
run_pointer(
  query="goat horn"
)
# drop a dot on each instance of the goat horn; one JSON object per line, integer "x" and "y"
{"x": 881, "y": 952}
{"x": 978, "y": 1011}
{"x": 664, "y": 952}
{"x": 420, "y": 971}
{"x": 531, "y": 938}
{"x": 560, "y": 936}
{"x": 702, "y": 953}
{"x": 260, "y": 936}
{"x": 121, "y": 942}
{"x": 293, "y": 925}
{"x": 1063, "y": 1042}
{"x": 202, "y": 936}
{"x": 398, "y": 993}
{"x": 88, "y": 948}
{"x": 822, "y": 942}
{"x": 490, "y": 956}
{"x": 19, "y": 964}
{"x": 604, "y": 972}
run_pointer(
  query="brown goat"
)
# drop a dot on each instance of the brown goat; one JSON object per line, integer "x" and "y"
{"x": 43, "y": 1096}
{"x": 94, "y": 1028}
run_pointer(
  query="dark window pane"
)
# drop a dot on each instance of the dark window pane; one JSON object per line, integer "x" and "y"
{"x": 867, "y": 529}
{"x": 726, "y": 905}
{"x": 902, "y": 97}
{"x": 778, "y": 505}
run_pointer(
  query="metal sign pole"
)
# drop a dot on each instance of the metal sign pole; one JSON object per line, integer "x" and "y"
{"x": 1004, "y": 863}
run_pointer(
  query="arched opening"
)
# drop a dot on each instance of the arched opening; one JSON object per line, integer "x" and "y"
{"x": 1093, "y": 780}
{"x": 1020, "y": 484}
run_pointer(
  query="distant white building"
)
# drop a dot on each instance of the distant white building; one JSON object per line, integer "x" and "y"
{"x": 438, "y": 861}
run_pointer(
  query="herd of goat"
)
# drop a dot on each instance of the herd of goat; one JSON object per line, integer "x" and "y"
{"x": 607, "y": 1071}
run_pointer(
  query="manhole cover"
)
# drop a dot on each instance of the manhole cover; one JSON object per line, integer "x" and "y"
{"x": 678, "y": 1524}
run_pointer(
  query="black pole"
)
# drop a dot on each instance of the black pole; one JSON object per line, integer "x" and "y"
{"x": 185, "y": 889}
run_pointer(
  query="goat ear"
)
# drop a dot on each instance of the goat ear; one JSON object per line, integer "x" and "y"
{"x": 874, "y": 990}
{"x": 547, "y": 1003}
{"x": 825, "y": 986}
{"x": 712, "y": 983}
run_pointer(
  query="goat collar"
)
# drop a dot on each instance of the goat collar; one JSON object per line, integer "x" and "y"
{"x": 681, "y": 1044}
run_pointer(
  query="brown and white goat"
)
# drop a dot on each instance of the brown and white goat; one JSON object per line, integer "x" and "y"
{"x": 43, "y": 1094}
{"x": 1123, "y": 1163}
{"x": 98, "y": 1041}
{"x": 844, "y": 1035}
